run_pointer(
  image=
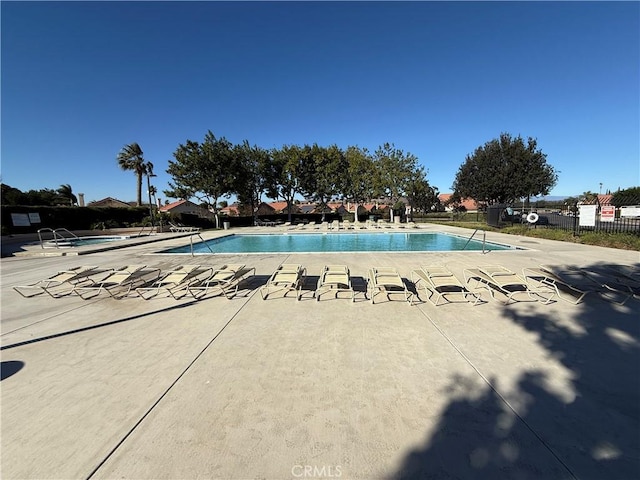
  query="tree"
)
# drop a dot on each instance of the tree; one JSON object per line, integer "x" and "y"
{"x": 626, "y": 197}
{"x": 203, "y": 171}
{"x": 420, "y": 194}
{"x": 360, "y": 176}
{"x": 66, "y": 193}
{"x": 131, "y": 158}
{"x": 284, "y": 174}
{"x": 12, "y": 196}
{"x": 45, "y": 196}
{"x": 323, "y": 172}
{"x": 504, "y": 170}
{"x": 252, "y": 167}
{"x": 395, "y": 170}
{"x": 589, "y": 197}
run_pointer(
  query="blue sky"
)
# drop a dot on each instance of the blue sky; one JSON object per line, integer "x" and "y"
{"x": 82, "y": 79}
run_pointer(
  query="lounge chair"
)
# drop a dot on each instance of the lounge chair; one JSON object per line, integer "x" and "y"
{"x": 176, "y": 281}
{"x": 498, "y": 278}
{"x": 613, "y": 287}
{"x": 120, "y": 282}
{"x": 441, "y": 283}
{"x": 334, "y": 278}
{"x": 287, "y": 277}
{"x": 224, "y": 280}
{"x": 627, "y": 275}
{"x": 60, "y": 284}
{"x": 570, "y": 286}
{"x": 386, "y": 280}
{"x": 626, "y": 271}
{"x": 182, "y": 228}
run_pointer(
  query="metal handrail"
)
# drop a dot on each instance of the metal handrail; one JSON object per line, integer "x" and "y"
{"x": 45, "y": 230}
{"x": 151, "y": 228}
{"x": 56, "y": 235}
{"x": 65, "y": 230}
{"x": 484, "y": 239}
{"x": 203, "y": 241}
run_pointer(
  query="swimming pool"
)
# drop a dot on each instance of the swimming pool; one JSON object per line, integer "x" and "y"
{"x": 83, "y": 241}
{"x": 337, "y": 242}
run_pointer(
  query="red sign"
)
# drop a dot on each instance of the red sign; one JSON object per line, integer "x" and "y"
{"x": 607, "y": 213}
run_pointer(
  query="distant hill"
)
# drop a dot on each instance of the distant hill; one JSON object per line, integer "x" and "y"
{"x": 555, "y": 198}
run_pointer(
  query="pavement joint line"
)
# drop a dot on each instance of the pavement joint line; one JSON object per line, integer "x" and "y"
{"x": 166, "y": 392}
{"x": 85, "y": 329}
{"x": 500, "y": 396}
{"x": 45, "y": 319}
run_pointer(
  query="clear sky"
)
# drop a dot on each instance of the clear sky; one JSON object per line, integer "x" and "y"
{"x": 82, "y": 79}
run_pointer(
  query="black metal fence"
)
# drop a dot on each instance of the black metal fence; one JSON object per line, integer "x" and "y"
{"x": 564, "y": 220}
{"x": 571, "y": 222}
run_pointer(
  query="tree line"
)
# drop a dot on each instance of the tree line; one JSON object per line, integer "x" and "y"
{"x": 216, "y": 168}
{"x": 45, "y": 196}
{"x": 502, "y": 171}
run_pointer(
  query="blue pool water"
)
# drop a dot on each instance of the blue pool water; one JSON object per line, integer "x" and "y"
{"x": 342, "y": 242}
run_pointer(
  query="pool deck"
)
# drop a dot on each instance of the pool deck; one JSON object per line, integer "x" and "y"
{"x": 277, "y": 389}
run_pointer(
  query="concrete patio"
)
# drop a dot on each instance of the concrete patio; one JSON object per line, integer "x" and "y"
{"x": 277, "y": 389}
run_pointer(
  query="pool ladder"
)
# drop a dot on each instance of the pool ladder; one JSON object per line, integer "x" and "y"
{"x": 56, "y": 236}
{"x": 484, "y": 239}
{"x": 202, "y": 239}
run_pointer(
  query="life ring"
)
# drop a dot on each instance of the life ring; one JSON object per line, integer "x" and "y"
{"x": 532, "y": 218}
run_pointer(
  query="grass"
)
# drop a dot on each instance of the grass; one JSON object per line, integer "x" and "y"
{"x": 623, "y": 241}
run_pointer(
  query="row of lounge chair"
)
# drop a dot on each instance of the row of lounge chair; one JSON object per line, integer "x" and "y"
{"x": 178, "y": 227}
{"x": 341, "y": 225}
{"x": 439, "y": 284}
{"x": 88, "y": 282}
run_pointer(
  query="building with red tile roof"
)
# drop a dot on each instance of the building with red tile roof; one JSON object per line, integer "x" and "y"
{"x": 468, "y": 203}
{"x": 185, "y": 206}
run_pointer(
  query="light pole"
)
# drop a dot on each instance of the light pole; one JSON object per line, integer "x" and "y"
{"x": 600, "y": 188}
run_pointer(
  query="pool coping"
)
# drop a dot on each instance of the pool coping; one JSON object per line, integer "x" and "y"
{"x": 506, "y": 247}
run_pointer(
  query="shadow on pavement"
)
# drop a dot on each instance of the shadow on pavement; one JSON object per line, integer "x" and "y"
{"x": 589, "y": 430}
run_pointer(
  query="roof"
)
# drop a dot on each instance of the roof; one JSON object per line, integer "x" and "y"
{"x": 171, "y": 206}
{"x": 109, "y": 202}
{"x": 282, "y": 207}
{"x": 231, "y": 210}
{"x": 467, "y": 203}
{"x": 278, "y": 206}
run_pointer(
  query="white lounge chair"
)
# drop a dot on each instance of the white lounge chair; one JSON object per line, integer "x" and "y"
{"x": 498, "y": 278}
{"x": 613, "y": 287}
{"x": 287, "y": 277}
{"x": 334, "y": 278}
{"x": 571, "y": 287}
{"x": 176, "y": 282}
{"x": 225, "y": 280}
{"x": 386, "y": 280}
{"x": 120, "y": 282}
{"x": 182, "y": 228}
{"x": 439, "y": 282}
{"x": 60, "y": 284}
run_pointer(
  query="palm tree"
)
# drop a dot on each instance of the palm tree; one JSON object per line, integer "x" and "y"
{"x": 131, "y": 158}
{"x": 66, "y": 193}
